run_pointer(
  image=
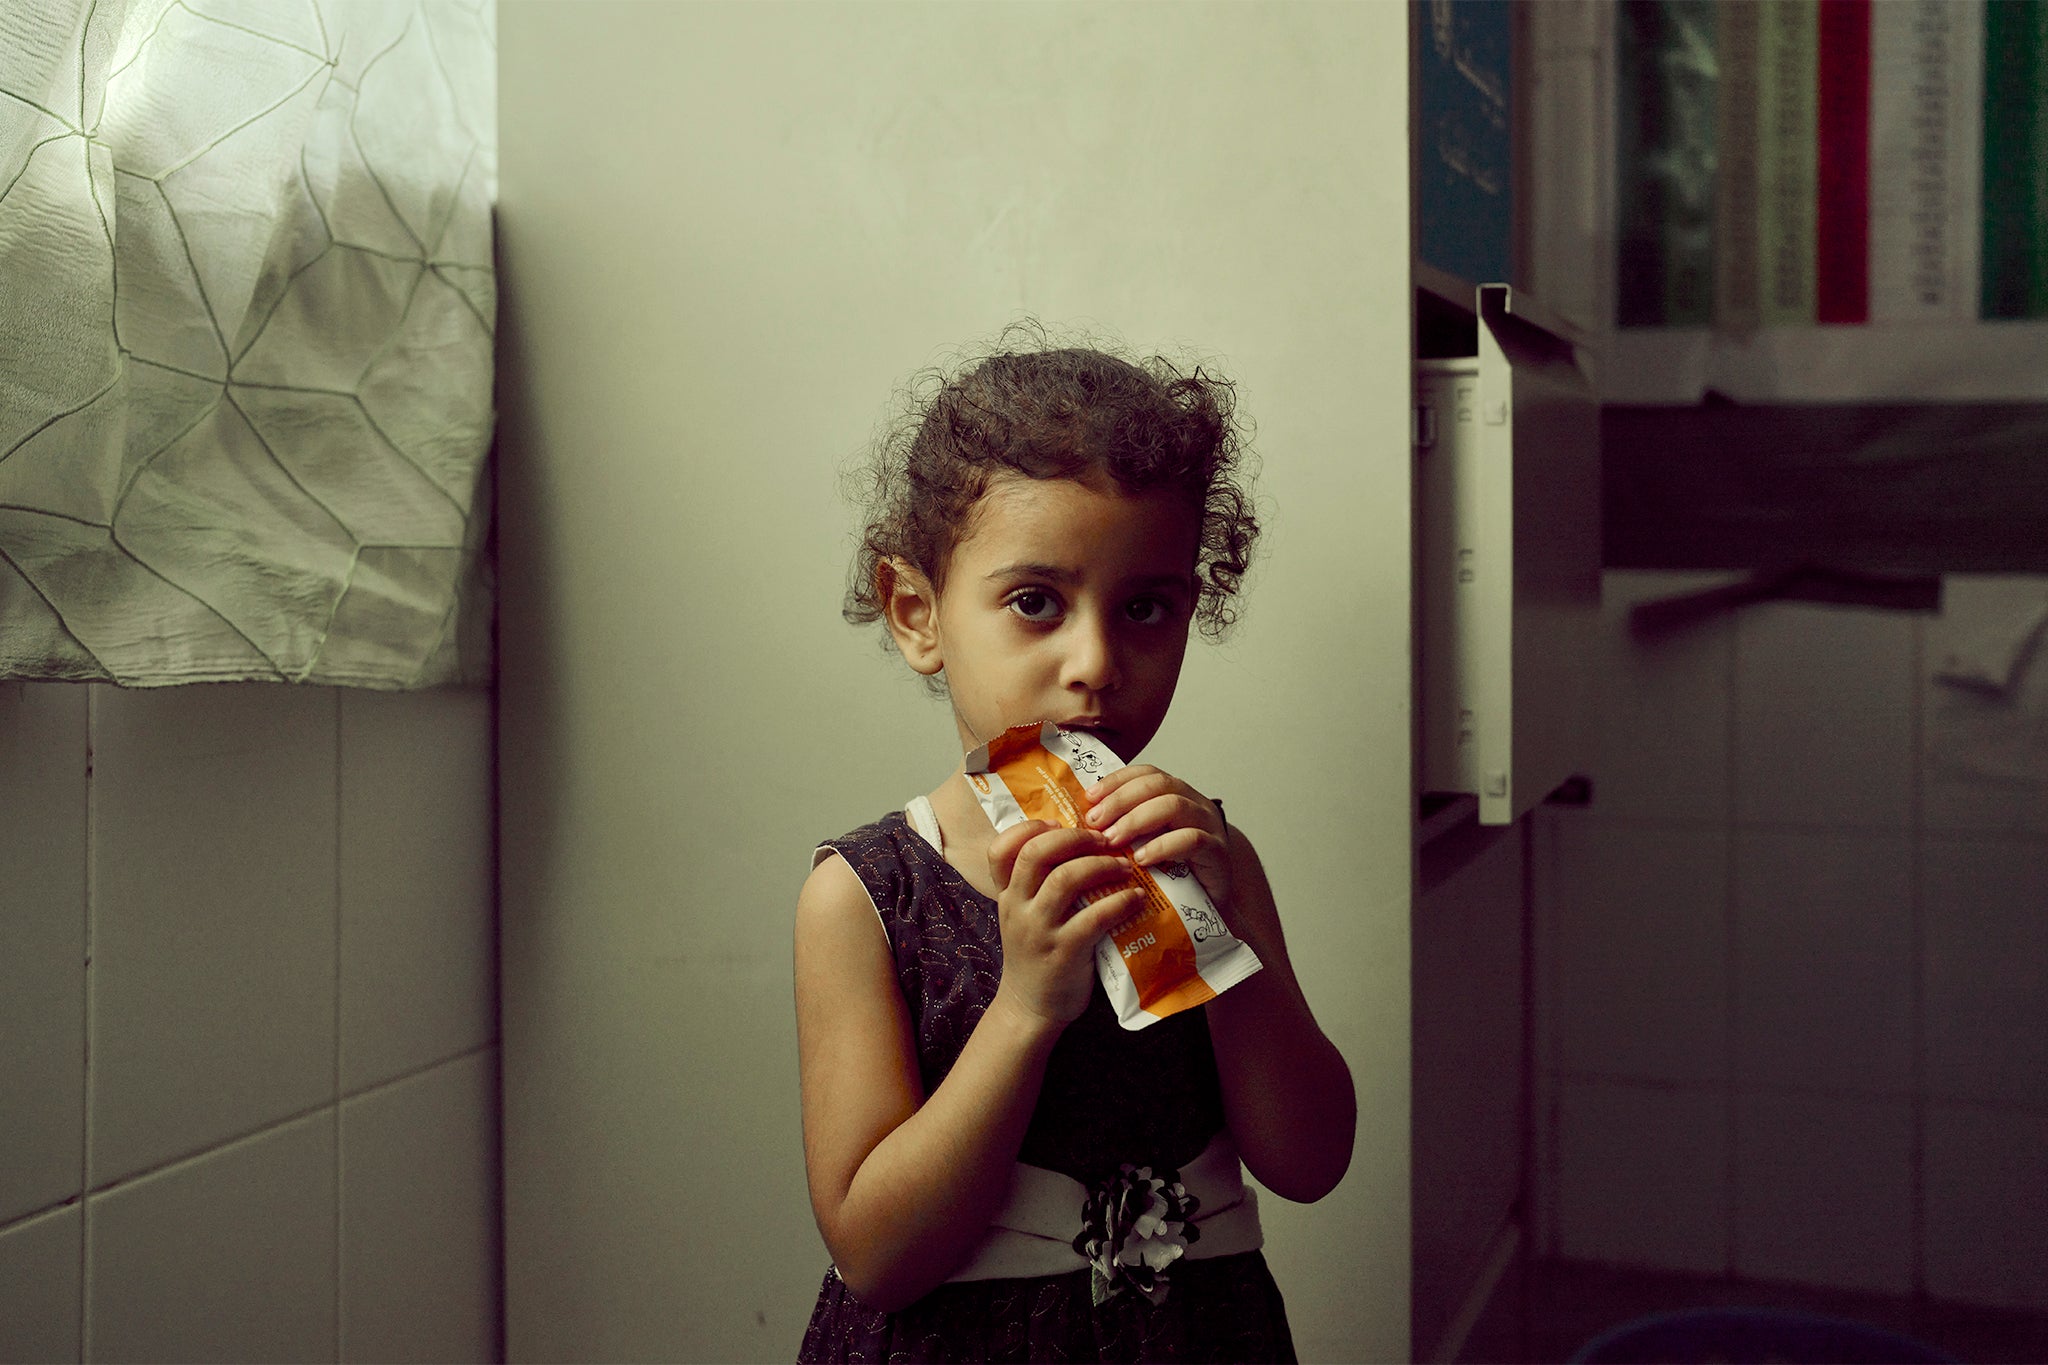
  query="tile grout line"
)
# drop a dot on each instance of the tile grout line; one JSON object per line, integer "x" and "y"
{"x": 86, "y": 993}
{"x": 1731, "y": 1207}
{"x": 335, "y": 693}
{"x": 1916, "y": 1011}
{"x": 1553, "y": 1234}
{"x": 1531, "y": 1060}
{"x": 1760, "y": 1089}
{"x": 269, "y": 1127}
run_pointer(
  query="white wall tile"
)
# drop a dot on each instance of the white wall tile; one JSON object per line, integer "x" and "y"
{"x": 1986, "y": 1031}
{"x": 1824, "y": 961}
{"x": 1643, "y": 1175}
{"x": 42, "y": 942}
{"x": 213, "y": 916}
{"x": 1985, "y": 753}
{"x": 1662, "y": 717}
{"x": 1643, "y": 951}
{"x": 418, "y": 932}
{"x": 419, "y": 1217}
{"x": 1824, "y": 1190}
{"x": 1824, "y": 716}
{"x": 39, "y": 1303}
{"x": 1987, "y": 1206}
{"x": 227, "y": 1257}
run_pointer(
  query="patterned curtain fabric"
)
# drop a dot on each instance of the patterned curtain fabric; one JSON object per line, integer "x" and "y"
{"x": 246, "y": 309}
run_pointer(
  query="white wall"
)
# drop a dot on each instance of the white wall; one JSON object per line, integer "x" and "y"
{"x": 1794, "y": 1014}
{"x": 726, "y": 232}
{"x": 248, "y": 1068}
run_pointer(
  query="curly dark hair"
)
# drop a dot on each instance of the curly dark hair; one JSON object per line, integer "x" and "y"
{"x": 1054, "y": 412}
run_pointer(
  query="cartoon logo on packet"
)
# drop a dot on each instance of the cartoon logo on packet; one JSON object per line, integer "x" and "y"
{"x": 1202, "y": 922}
{"x": 1170, "y": 954}
{"x": 1087, "y": 763}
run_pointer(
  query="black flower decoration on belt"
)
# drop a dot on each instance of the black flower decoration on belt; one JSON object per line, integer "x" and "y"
{"x": 1133, "y": 1226}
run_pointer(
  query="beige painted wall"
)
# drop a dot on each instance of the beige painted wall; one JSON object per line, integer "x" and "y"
{"x": 727, "y": 232}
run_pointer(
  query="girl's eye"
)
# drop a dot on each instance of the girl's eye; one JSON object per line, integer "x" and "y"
{"x": 1149, "y": 611}
{"x": 1033, "y": 605}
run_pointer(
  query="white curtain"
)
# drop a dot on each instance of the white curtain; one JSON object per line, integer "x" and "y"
{"x": 246, "y": 309}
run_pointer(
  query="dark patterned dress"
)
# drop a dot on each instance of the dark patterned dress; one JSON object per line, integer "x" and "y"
{"x": 948, "y": 952}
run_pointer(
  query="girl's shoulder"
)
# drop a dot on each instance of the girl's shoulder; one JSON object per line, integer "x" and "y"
{"x": 881, "y": 839}
{"x": 888, "y": 860}
{"x": 864, "y": 882}
{"x": 911, "y": 887}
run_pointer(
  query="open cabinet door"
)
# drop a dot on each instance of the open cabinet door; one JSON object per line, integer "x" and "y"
{"x": 1508, "y": 486}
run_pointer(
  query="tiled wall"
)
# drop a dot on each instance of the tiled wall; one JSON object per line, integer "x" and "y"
{"x": 1792, "y": 962}
{"x": 248, "y": 1024}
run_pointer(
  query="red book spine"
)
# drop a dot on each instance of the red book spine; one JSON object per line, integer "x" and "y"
{"x": 1841, "y": 283}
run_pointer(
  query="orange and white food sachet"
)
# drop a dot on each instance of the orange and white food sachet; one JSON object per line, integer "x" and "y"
{"x": 1173, "y": 952}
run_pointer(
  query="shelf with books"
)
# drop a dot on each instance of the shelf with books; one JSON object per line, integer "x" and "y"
{"x": 1820, "y": 201}
{"x": 1495, "y": 82}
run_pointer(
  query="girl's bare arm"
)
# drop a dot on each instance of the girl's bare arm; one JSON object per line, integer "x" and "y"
{"x": 1287, "y": 1093}
{"x": 903, "y": 1184}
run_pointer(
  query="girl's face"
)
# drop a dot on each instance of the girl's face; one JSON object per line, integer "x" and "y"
{"x": 1070, "y": 603}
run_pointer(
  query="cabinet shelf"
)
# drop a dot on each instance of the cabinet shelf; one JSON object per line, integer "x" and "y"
{"x": 1463, "y": 295}
{"x": 1957, "y": 362}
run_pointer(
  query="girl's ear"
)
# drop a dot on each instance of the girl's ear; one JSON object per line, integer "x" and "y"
{"x": 910, "y": 608}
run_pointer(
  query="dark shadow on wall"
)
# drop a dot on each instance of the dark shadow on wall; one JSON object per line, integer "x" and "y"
{"x": 528, "y": 734}
{"x": 1878, "y": 488}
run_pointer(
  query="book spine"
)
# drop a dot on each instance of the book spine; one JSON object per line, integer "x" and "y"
{"x": 1966, "y": 152}
{"x": 1664, "y": 163}
{"x": 2037, "y": 165}
{"x": 1841, "y": 284}
{"x": 2012, "y": 266}
{"x": 1465, "y": 193}
{"x": 1787, "y": 57}
{"x": 1688, "y": 71}
{"x": 1737, "y": 279}
{"x": 1926, "y": 70}
{"x": 1638, "y": 190}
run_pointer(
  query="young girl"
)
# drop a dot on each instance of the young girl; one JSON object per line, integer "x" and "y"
{"x": 979, "y": 1131}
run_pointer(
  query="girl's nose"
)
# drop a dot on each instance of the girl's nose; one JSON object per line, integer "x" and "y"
{"x": 1092, "y": 657}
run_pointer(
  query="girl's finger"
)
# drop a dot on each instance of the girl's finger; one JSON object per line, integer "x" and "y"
{"x": 1106, "y": 802}
{"x": 1176, "y": 845}
{"x": 1045, "y": 852}
{"x": 1096, "y": 919}
{"x": 1068, "y": 882}
{"x": 1111, "y": 782}
{"x": 1157, "y": 815}
{"x": 1002, "y": 853}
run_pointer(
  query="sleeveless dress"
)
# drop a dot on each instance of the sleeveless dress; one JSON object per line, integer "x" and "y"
{"x": 1110, "y": 1096}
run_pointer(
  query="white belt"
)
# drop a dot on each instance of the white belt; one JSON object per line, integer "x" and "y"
{"x": 1033, "y": 1234}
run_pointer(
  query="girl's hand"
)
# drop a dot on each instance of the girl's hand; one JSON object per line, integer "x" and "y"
{"x": 1041, "y": 871}
{"x": 1138, "y": 801}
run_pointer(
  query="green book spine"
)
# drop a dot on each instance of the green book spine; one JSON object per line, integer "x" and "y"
{"x": 2013, "y": 259}
{"x": 1788, "y": 65}
{"x": 2037, "y": 164}
{"x": 1689, "y": 73}
{"x": 1639, "y": 264}
{"x": 1664, "y": 120}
